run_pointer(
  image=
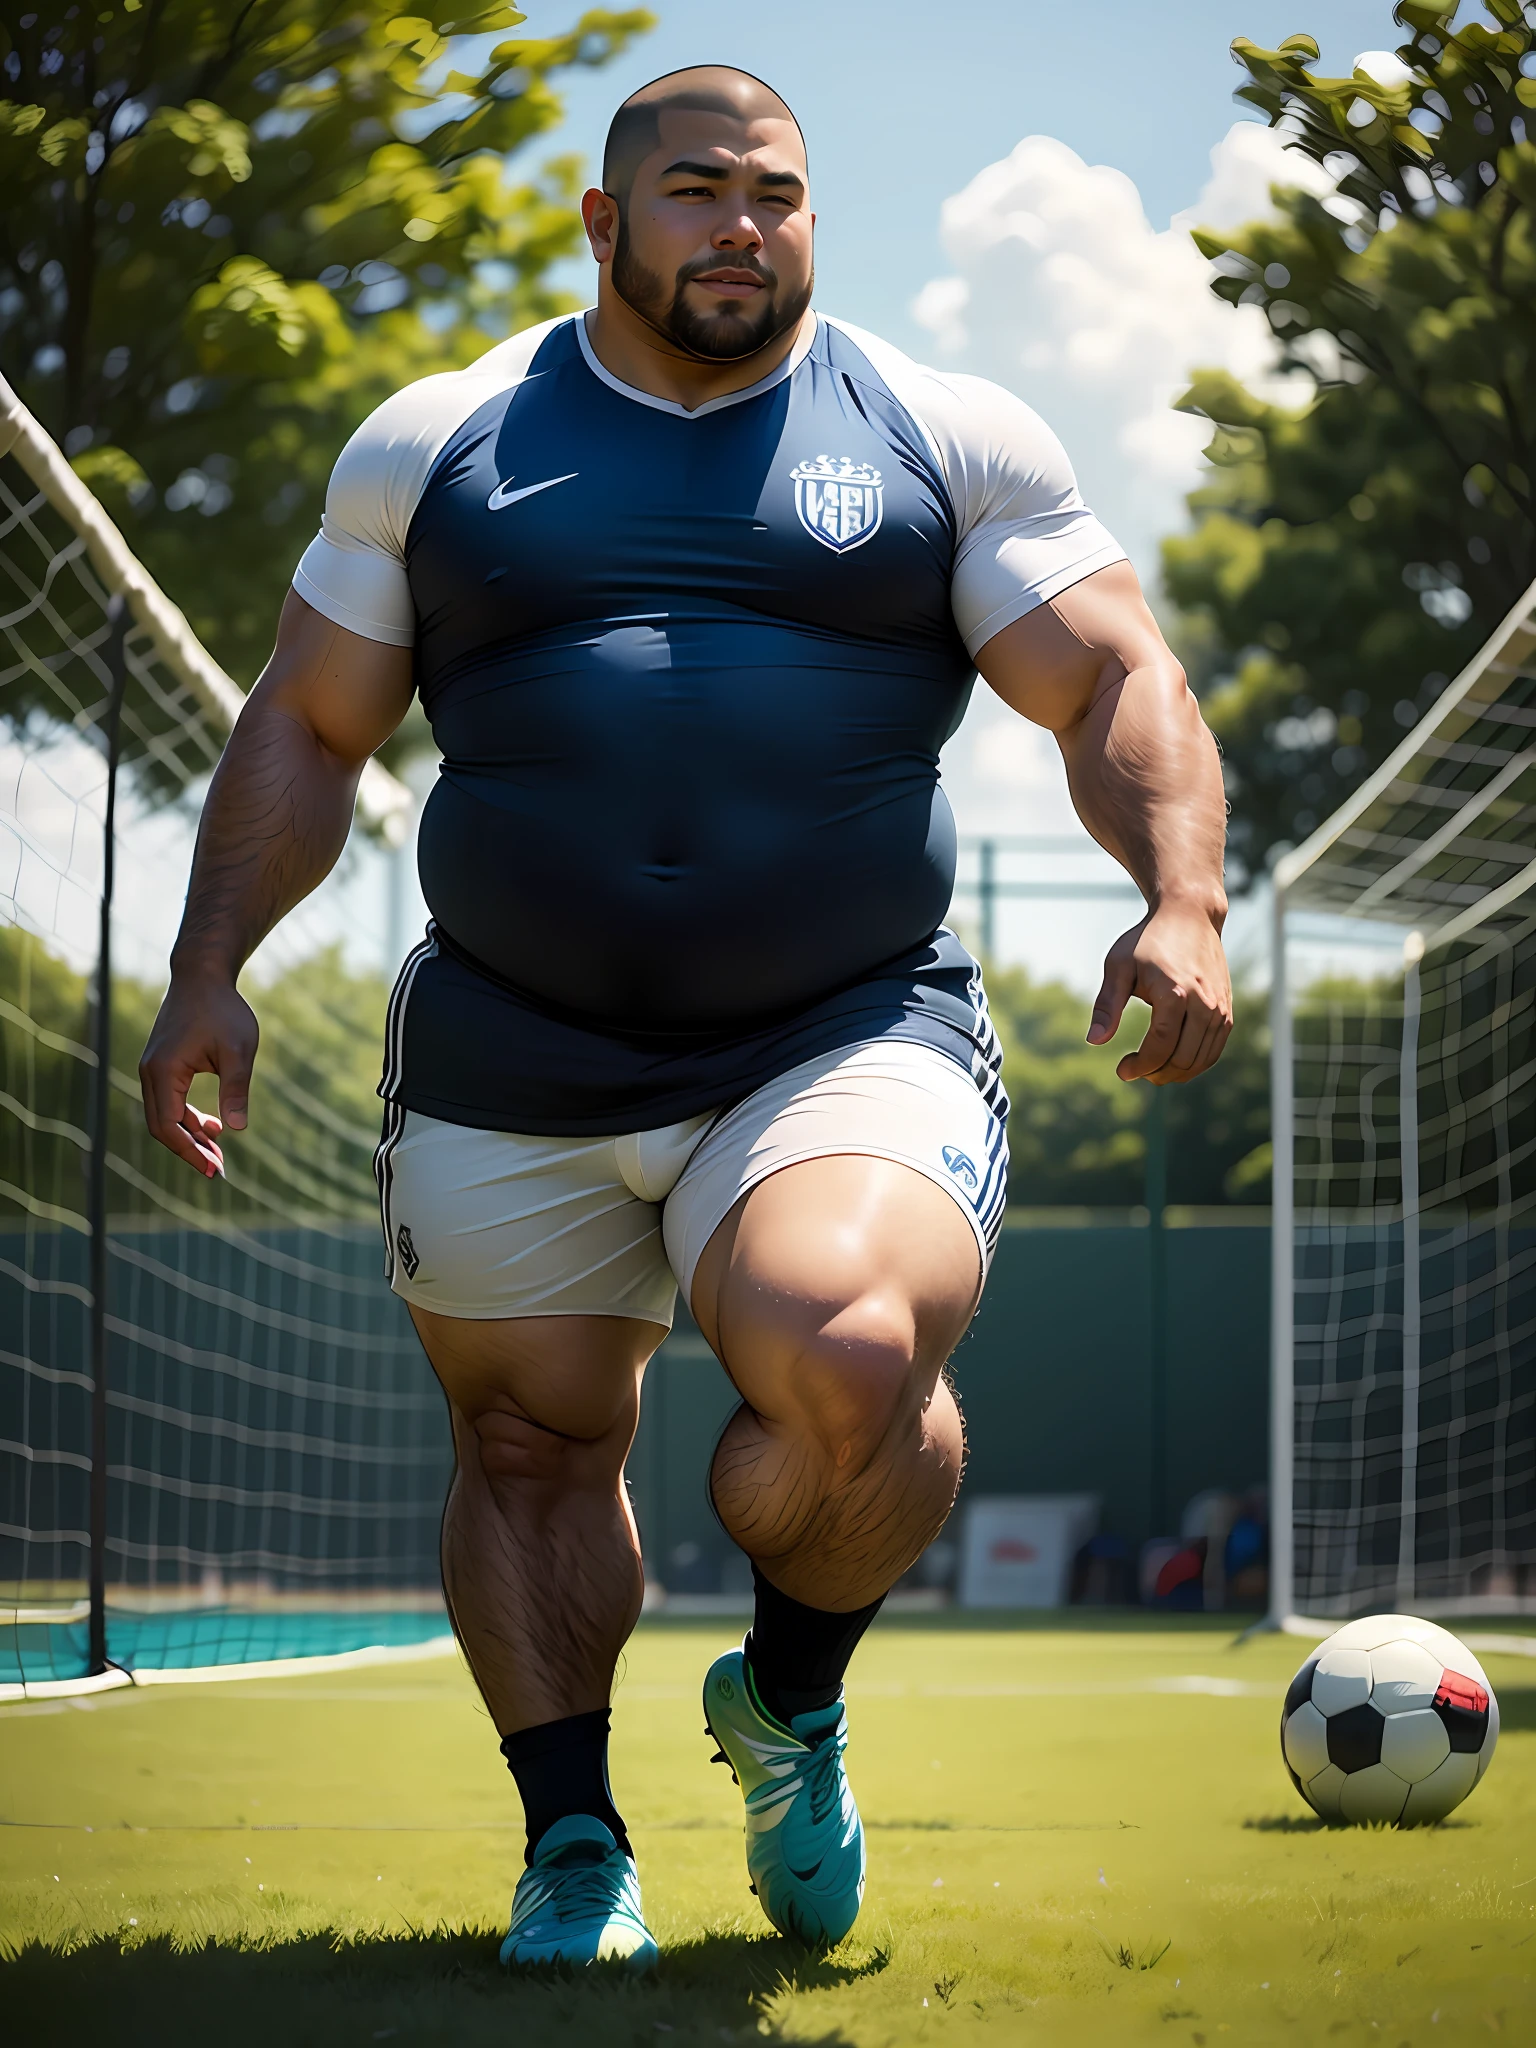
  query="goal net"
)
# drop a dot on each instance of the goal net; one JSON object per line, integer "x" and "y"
{"x": 240, "y": 1447}
{"x": 1404, "y": 1015}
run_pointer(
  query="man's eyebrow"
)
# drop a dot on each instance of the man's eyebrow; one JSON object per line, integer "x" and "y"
{"x": 715, "y": 171}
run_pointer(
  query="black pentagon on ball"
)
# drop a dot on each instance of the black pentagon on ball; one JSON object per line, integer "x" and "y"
{"x": 1354, "y": 1737}
{"x": 1300, "y": 1690}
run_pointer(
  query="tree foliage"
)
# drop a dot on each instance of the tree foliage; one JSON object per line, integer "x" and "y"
{"x": 228, "y": 228}
{"x": 1351, "y": 553}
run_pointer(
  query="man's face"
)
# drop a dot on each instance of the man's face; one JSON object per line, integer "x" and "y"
{"x": 713, "y": 248}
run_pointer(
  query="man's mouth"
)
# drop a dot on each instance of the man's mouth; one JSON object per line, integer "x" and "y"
{"x": 731, "y": 284}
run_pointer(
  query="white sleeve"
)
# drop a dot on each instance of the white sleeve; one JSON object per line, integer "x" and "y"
{"x": 1024, "y": 533}
{"x": 354, "y": 569}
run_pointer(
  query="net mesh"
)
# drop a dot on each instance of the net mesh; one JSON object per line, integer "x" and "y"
{"x": 276, "y": 1455}
{"x": 1414, "y": 1159}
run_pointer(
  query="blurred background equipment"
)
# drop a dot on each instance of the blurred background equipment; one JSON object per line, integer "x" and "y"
{"x": 1404, "y": 1392}
{"x": 1018, "y": 1552}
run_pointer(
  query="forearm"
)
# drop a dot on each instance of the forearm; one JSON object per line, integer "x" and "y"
{"x": 1146, "y": 780}
{"x": 273, "y": 825}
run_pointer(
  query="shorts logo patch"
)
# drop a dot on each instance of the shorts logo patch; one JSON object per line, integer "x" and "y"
{"x": 410, "y": 1258}
{"x": 961, "y": 1166}
{"x": 839, "y": 500}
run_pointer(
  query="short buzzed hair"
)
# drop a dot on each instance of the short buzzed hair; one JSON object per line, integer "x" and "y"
{"x": 710, "y": 88}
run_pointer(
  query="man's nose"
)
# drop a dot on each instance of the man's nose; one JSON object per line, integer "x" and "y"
{"x": 740, "y": 233}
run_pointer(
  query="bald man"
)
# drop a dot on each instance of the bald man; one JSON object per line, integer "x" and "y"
{"x": 693, "y": 587}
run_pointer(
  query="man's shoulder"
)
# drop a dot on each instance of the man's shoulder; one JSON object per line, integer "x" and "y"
{"x": 444, "y": 398}
{"x": 902, "y": 372}
{"x": 381, "y": 473}
{"x": 977, "y": 426}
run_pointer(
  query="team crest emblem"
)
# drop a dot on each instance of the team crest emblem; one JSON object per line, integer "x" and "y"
{"x": 839, "y": 500}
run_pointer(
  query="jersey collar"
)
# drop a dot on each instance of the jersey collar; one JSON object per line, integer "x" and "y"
{"x": 787, "y": 368}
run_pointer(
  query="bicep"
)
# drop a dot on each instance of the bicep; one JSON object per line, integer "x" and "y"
{"x": 348, "y": 690}
{"x": 1054, "y": 662}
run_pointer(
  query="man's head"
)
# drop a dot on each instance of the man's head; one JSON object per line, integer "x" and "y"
{"x": 704, "y": 213}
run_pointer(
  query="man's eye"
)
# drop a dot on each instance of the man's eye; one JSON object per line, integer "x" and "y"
{"x": 692, "y": 192}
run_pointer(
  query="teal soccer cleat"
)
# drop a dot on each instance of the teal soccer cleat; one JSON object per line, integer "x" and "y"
{"x": 578, "y": 1903}
{"x": 805, "y": 1841}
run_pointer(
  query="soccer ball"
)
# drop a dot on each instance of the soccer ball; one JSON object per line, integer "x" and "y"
{"x": 1392, "y": 1720}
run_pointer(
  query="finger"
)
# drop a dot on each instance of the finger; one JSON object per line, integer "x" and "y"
{"x": 188, "y": 1147}
{"x": 203, "y": 1131}
{"x": 1182, "y": 1062}
{"x": 1208, "y": 1052}
{"x": 1168, "y": 1014}
{"x": 164, "y": 1086}
{"x": 235, "y": 1063}
{"x": 1213, "y": 1046}
{"x": 1114, "y": 993}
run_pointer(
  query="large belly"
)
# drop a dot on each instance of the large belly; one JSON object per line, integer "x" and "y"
{"x": 701, "y": 853}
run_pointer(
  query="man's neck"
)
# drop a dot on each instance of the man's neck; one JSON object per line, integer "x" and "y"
{"x": 631, "y": 350}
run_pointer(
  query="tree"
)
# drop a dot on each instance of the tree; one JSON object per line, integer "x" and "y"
{"x": 228, "y": 231}
{"x": 1351, "y": 553}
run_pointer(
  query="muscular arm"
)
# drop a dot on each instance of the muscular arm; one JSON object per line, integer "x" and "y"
{"x": 1092, "y": 667}
{"x": 275, "y": 820}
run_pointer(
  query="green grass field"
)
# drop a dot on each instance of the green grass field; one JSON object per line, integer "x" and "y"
{"x": 1075, "y": 1835}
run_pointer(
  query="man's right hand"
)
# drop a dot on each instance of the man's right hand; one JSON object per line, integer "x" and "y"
{"x": 204, "y": 1027}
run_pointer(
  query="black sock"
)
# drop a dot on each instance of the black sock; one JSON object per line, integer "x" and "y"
{"x": 561, "y": 1768}
{"x": 798, "y": 1654}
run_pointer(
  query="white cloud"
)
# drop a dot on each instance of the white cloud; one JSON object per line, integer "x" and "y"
{"x": 1384, "y": 67}
{"x": 1064, "y": 291}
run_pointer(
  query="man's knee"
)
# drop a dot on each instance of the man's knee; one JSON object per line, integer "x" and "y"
{"x": 847, "y": 1374}
{"x": 545, "y": 1401}
{"x": 513, "y": 1446}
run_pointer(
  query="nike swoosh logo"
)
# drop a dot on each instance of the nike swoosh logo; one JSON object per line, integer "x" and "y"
{"x": 501, "y": 497}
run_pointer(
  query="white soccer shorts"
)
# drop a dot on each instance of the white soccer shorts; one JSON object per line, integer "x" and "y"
{"x": 485, "y": 1224}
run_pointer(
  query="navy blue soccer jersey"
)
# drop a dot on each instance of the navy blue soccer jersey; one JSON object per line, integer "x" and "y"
{"x": 689, "y": 673}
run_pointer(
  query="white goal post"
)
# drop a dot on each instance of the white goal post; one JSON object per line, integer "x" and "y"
{"x": 1403, "y": 1337}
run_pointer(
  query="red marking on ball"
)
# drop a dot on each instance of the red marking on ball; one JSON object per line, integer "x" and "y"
{"x": 1456, "y": 1690}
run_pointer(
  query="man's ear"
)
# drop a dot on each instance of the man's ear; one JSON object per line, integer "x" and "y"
{"x": 600, "y": 218}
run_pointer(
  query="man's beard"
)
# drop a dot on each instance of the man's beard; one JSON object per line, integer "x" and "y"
{"x": 740, "y": 329}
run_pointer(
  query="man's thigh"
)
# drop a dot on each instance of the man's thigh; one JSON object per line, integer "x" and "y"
{"x": 847, "y": 1245}
{"x": 535, "y": 1275}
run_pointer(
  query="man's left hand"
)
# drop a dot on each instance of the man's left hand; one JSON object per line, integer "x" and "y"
{"x": 1172, "y": 960}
